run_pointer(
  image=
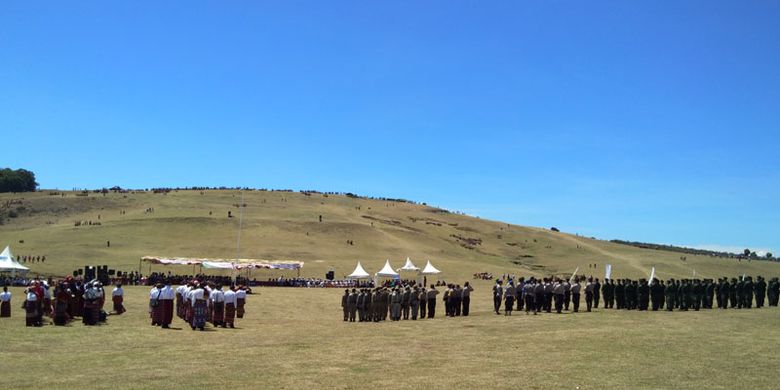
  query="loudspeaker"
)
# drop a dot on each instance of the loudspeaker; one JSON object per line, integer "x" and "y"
{"x": 89, "y": 273}
{"x": 112, "y": 272}
{"x": 81, "y": 271}
{"x": 329, "y": 275}
{"x": 76, "y": 273}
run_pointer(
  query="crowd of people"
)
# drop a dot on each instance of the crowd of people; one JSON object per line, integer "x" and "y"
{"x": 197, "y": 303}
{"x": 68, "y": 299}
{"x": 559, "y": 294}
{"x": 404, "y": 301}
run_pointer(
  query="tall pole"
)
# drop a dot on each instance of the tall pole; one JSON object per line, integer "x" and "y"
{"x": 240, "y": 225}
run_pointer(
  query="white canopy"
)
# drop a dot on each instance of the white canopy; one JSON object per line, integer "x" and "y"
{"x": 430, "y": 269}
{"x": 359, "y": 273}
{"x": 7, "y": 262}
{"x": 387, "y": 271}
{"x": 409, "y": 266}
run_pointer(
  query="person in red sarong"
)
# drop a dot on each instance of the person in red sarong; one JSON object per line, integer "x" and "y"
{"x": 217, "y": 304}
{"x": 230, "y": 308}
{"x": 240, "y": 301}
{"x": 167, "y": 294}
{"x": 118, "y": 298}
{"x": 155, "y": 308}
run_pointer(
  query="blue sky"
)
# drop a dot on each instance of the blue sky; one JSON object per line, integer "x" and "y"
{"x": 653, "y": 122}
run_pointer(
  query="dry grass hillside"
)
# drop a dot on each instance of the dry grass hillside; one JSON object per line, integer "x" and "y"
{"x": 286, "y": 226}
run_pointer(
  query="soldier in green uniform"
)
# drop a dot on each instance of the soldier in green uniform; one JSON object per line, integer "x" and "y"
{"x": 414, "y": 302}
{"x": 734, "y": 293}
{"x": 760, "y": 289}
{"x": 670, "y": 293}
{"x": 423, "y": 298}
{"x": 352, "y": 303}
{"x": 345, "y": 304}
{"x": 620, "y": 295}
{"x": 406, "y": 300}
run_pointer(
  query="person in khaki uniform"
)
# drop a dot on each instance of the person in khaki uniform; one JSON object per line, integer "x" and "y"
{"x": 414, "y": 302}
{"x": 406, "y": 299}
{"x": 431, "y": 294}
{"x": 423, "y": 297}
{"x": 345, "y": 304}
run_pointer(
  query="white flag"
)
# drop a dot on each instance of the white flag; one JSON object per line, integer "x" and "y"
{"x": 608, "y": 273}
{"x": 652, "y": 276}
{"x": 571, "y": 279}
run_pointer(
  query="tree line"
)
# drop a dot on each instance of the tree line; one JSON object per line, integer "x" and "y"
{"x": 19, "y": 180}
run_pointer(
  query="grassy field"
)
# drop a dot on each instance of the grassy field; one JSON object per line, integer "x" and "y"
{"x": 283, "y": 225}
{"x": 294, "y": 338}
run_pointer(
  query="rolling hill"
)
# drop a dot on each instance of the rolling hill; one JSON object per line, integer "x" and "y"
{"x": 72, "y": 229}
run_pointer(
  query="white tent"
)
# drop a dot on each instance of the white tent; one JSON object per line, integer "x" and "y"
{"x": 359, "y": 273}
{"x": 7, "y": 262}
{"x": 387, "y": 271}
{"x": 409, "y": 266}
{"x": 430, "y": 269}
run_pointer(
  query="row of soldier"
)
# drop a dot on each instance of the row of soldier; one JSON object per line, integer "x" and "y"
{"x": 548, "y": 293}
{"x": 407, "y": 301}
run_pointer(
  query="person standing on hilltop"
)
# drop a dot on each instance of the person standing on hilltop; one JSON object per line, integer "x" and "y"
{"x": 5, "y": 302}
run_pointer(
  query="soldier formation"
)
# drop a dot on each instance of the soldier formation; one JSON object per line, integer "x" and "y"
{"x": 405, "y": 301}
{"x": 547, "y": 294}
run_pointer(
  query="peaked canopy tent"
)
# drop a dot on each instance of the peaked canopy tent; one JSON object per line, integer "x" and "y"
{"x": 386, "y": 272}
{"x": 430, "y": 269}
{"x": 409, "y": 266}
{"x": 359, "y": 273}
{"x": 9, "y": 264}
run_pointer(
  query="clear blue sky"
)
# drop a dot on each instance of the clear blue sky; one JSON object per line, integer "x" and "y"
{"x": 656, "y": 122}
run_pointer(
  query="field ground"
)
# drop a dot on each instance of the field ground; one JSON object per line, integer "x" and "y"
{"x": 294, "y": 338}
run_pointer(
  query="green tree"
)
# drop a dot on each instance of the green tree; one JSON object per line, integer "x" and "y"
{"x": 769, "y": 255}
{"x": 20, "y": 180}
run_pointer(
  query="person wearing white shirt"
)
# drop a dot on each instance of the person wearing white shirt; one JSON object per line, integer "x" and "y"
{"x": 240, "y": 301}
{"x": 180, "y": 301}
{"x": 155, "y": 309}
{"x": 5, "y": 303}
{"x": 118, "y": 297}
{"x": 31, "y": 306}
{"x": 199, "y": 308}
{"x": 230, "y": 308}
{"x": 167, "y": 295}
{"x": 217, "y": 305}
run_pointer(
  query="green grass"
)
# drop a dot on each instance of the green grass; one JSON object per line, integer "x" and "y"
{"x": 294, "y": 338}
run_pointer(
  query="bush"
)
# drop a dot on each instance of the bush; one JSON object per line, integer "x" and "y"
{"x": 12, "y": 214}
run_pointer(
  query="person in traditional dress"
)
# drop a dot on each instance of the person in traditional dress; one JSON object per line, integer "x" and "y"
{"x": 217, "y": 305}
{"x": 166, "y": 304}
{"x": 118, "y": 297}
{"x": 240, "y": 301}
{"x": 230, "y": 308}
{"x": 180, "y": 300}
{"x": 199, "y": 307}
{"x": 31, "y": 307}
{"x": 62, "y": 298}
{"x": 92, "y": 297}
{"x": 5, "y": 302}
{"x": 46, "y": 308}
{"x": 188, "y": 301}
{"x": 155, "y": 309}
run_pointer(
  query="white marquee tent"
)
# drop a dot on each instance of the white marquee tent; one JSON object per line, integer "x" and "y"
{"x": 359, "y": 273}
{"x": 387, "y": 271}
{"x": 430, "y": 269}
{"x": 409, "y": 266}
{"x": 8, "y": 264}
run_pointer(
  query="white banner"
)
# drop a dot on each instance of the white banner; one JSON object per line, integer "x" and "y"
{"x": 608, "y": 272}
{"x": 652, "y": 276}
